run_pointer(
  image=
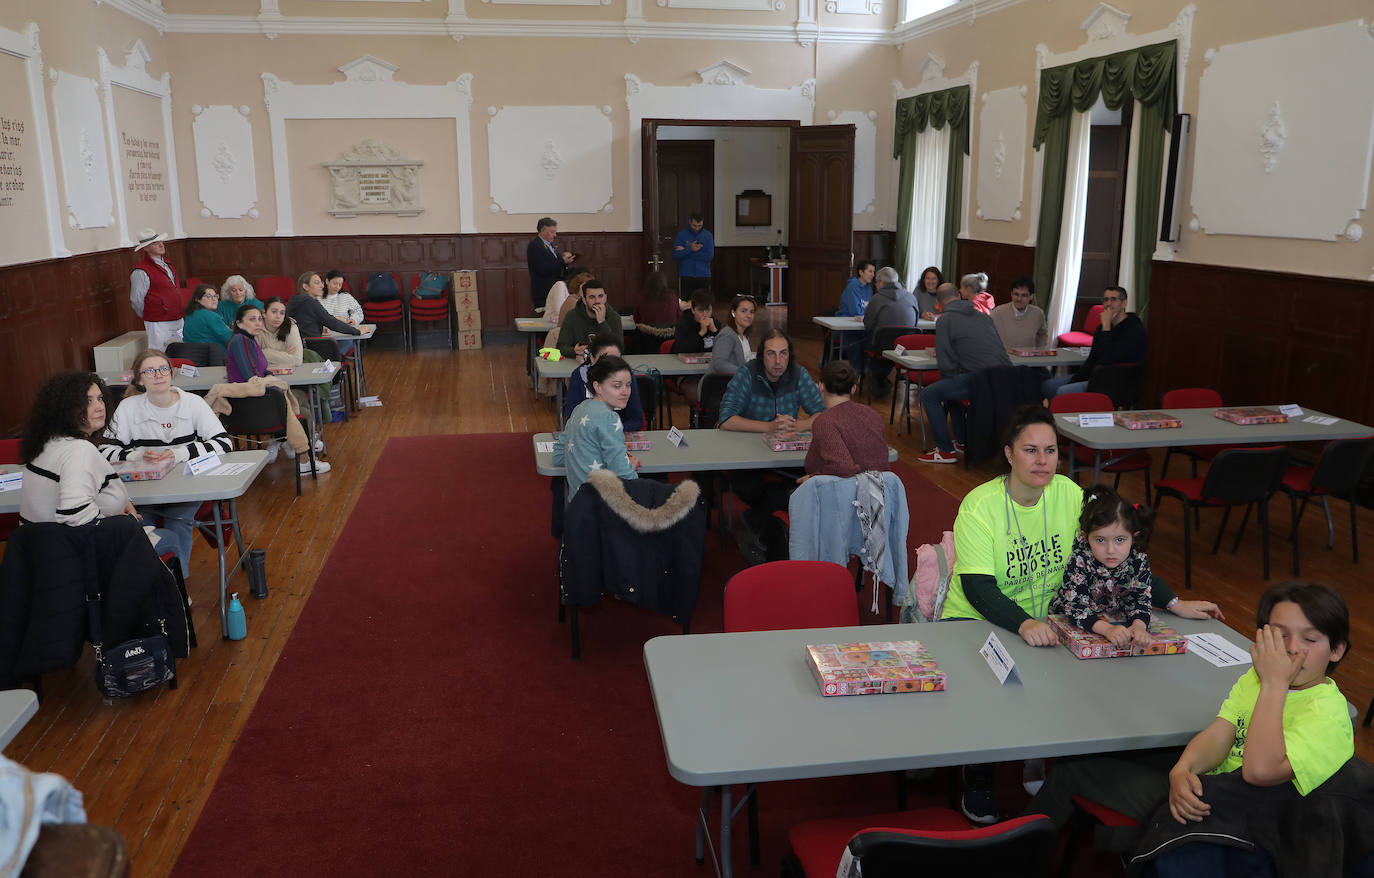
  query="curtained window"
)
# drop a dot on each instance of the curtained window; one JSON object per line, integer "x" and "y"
{"x": 931, "y": 140}
{"x": 1146, "y": 75}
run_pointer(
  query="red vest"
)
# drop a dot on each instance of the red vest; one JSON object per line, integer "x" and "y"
{"x": 166, "y": 300}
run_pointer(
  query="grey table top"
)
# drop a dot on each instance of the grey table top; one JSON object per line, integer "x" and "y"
{"x": 543, "y": 324}
{"x": 176, "y": 486}
{"x": 301, "y": 376}
{"x": 1203, "y": 427}
{"x": 665, "y": 364}
{"x": 17, "y": 707}
{"x": 707, "y": 450}
{"x": 365, "y": 331}
{"x": 745, "y": 708}
{"x": 853, "y": 323}
{"x": 925, "y": 359}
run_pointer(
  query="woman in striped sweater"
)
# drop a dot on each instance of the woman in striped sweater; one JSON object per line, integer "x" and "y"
{"x": 156, "y": 421}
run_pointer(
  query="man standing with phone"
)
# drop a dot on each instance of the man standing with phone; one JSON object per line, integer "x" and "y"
{"x": 694, "y": 248}
{"x": 545, "y": 260}
{"x": 590, "y": 318}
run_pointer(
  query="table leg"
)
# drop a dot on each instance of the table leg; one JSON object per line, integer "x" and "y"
{"x": 313, "y": 397}
{"x": 223, "y": 582}
{"x": 703, "y": 821}
{"x": 358, "y": 367}
{"x": 529, "y": 363}
{"x": 561, "y": 385}
{"x": 1097, "y": 465}
{"x": 726, "y": 813}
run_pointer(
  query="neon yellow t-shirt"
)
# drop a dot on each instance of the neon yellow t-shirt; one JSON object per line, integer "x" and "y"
{"x": 1317, "y": 735}
{"x": 1028, "y": 561}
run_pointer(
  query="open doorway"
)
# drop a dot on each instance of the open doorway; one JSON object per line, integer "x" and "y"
{"x": 1108, "y": 149}
{"x": 686, "y": 185}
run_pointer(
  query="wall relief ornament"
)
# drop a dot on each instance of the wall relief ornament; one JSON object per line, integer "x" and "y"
{"x": 374, "y": 178}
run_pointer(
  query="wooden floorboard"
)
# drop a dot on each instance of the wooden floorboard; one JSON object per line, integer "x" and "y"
{"x": 146, "y": 765}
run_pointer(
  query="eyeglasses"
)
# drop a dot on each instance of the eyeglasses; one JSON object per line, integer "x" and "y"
{"x": 740, "y": 297}
{"x": 1113, "y": 298}
{"x": 154, "y": 371}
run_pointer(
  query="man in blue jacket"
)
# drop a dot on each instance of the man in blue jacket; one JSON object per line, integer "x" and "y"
{"x": 853, "y": 302}
{"x": 693, "y": 248}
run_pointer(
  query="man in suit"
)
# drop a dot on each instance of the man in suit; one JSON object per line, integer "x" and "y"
{"x": 545, "y": 260}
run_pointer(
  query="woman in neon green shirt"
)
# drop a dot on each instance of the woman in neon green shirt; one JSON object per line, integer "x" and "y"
{"x": 1014, "y": 534}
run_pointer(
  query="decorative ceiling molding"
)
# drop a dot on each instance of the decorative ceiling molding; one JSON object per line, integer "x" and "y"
{"x": 965, "y": 12}
{"x": 724, "y": 72}
{"x": 937, "y": 83}
{"x": 1105, "y": 22}
{"x": 25, "y": 47}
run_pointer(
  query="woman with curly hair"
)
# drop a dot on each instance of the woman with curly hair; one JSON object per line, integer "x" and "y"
{"x": 236, "y": 291}
{"x": 66, "y": 480}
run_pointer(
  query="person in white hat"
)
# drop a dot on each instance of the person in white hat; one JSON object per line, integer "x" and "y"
{"x": 155, "y": 291}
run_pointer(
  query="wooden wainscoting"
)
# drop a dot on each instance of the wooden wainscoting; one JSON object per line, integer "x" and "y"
{"x": 1002, "y": 263}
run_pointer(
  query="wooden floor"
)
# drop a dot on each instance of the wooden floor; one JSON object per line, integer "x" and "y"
{"x": 146, "y": 765}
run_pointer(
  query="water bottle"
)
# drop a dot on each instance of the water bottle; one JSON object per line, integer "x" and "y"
{"x": 257, "y": 573}
{"x": 238, "y": 623}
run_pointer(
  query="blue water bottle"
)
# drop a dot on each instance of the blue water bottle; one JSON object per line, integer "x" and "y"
{"x": 238, "y": 623}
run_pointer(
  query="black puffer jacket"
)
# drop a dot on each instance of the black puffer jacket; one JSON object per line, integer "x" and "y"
{"x": 43, "y": 617}
{"x": 639, "y": 540}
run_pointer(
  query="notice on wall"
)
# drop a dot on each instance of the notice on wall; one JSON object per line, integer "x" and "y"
{"x": 143, "y": 168}
{"x": 12, "y": 182}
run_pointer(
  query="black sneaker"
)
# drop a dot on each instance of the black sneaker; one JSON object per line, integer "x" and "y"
{"x": 750, "y": 546}
{"x": 978, "y": 806}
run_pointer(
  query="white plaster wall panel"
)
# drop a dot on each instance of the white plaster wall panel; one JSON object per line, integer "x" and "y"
{"x": 550, "y": 159}
{"x": 865, "y": 156}
{"x": 704, "y": 100}
{"x": 225, "y": 175}
{"x": 26, "y": 47}
{"x": 82, "y": 147}
{"x": 369, "y": 91}
{"x": 1002, "y": 153}
{"x": 1283, "y": 151}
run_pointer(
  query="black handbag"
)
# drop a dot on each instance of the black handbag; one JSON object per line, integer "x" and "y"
{"x": 135, "y": 665}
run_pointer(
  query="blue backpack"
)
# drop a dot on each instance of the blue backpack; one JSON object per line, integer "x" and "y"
{"x": 382, "y": 286}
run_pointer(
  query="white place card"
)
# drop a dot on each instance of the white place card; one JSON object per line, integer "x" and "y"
{"x": 12, "y": 481}
{"x": 188, "y": 370}
{"x": 230, "y": 469}
{"x": 1320, "y": 420}
{"x": 1096, "y": 419}
{"x": 543, "y": 447}
{"x": 676, "y": 438}
{"x": 203, "y": 464}
{"x": 325, "y": 368}
{"x": 900, "y": 350}
{"x": 1292, "y": 411}
{"x": 999, "y": 660}
{"x": 1217, "y": 650}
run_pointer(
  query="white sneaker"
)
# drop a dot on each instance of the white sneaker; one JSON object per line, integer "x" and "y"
{"x": 321, "y": 466}
{"x": 273, "y": 448}
{"x": 1033, "y": 775}
{"x": 319, "y": 446}
{"x": 286, "y": 448}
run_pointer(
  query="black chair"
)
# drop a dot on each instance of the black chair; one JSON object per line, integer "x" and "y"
{"x": 1338, "y": 472}
{"x": 648, "y": 397}
{"x": 347, "y": 378}
{"x": 266, "y": 416}
{"x": 198, "y": 352}
{"x": 884, "y": 339}
{"x": 710, "y": 392}
{"x": 1122, "y": 382}
{"x": 1238, "y": 475}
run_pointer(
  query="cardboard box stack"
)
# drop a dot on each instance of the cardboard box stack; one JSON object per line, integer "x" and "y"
{"x": 467, "y": 309}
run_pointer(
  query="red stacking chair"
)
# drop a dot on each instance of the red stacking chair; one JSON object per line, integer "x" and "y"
{"x": 9, "y": 453}
{"x": 275, "y": 285}
{"x": 1338, "y": 473}
{"x": 1083, "y": 338}
{"x": 191, "y": 282}
{"x": 1238, "y": 475}
{"x": 430, "y": 310}
{"x": 1192, "y": 398}
{"x": 884, "y": 339}
{"x": 1086, "y": 811}
{"x": 388, "y": 309}
{"x": 1123, "y": 460}
{"x": 920, "y": 341}
{"x": 782, "y": 595}
{"x": 929, "y": 842}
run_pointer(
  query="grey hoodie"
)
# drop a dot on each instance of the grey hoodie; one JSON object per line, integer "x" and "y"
{"x": 890, "y": 306}
{"x": 966, "y": 340}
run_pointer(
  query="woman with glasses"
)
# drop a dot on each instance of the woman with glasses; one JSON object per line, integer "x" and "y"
{"x": 203, "y": 325}
{"x": 732, "y": 348}
{"x": 157, "y": 421}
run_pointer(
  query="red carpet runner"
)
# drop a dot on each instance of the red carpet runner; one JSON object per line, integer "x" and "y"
{"x": 425, "y": 718}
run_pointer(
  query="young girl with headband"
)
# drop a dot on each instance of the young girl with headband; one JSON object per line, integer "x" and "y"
{"x": 1108, "y": 571}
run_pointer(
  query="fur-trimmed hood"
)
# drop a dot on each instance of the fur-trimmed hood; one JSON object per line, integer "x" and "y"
{"x": 641, "y": 518}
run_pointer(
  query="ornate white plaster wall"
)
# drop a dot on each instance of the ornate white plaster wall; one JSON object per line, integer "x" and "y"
{"x": 865, "y": 155}
{"x": 717, "y": 97}
{"x": 1001, "y": 147}
{"x": 225, "y": 173}
{"x": 83, "y": 149}
{"x": 28, "y": 152}
{"x": 369, "y": 91}
{"x": 1280, "y": 155}
{"x": 552, "y": 159}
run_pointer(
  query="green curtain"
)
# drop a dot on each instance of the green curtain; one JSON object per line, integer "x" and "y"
{"x": 914, "y": 114}
{"x": 1146, "y": 75}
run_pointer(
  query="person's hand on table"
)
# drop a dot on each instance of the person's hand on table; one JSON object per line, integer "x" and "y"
{"x": 634, "y": 461}
{"x": 1197, "y": 610}
{"x": 1117, "y": 635}
{"x": 1139, "y": 633}
{"x": 784, "y": 424}
{"x": 153, "y": 455}
{"x": 1185, "y": 796}
{"x": 1273, "y": 664}
{"x": 129, "y": 509}
{"x": 1037, "y": 633}
{"x": 927, "y": 315}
